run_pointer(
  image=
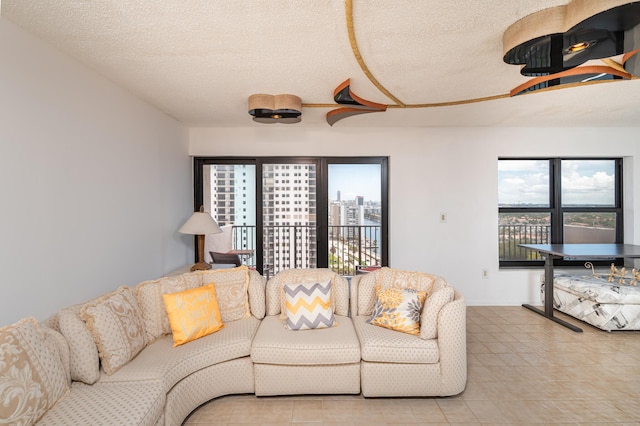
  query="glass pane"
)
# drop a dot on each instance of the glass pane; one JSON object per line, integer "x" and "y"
{"x": 522, "y": 228}
{"x": 588, "y": 183}
{"x": 523, "y": 183}
{"x": 289, "y": 216}
{"x": 589, "y": 228}
{"x": 229, "y": 194}
{"x": 355, "y": 212}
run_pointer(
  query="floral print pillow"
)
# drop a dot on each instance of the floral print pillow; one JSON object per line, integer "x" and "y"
{"x": 398, "y": 309}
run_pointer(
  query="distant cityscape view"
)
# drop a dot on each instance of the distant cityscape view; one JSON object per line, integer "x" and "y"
{"x": 289, "y": 213}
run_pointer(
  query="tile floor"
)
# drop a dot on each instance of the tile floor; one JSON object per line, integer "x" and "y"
{"x": 523, "y": 369}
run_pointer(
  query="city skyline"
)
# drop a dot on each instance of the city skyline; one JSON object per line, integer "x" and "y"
{"x": 354, "y": 180}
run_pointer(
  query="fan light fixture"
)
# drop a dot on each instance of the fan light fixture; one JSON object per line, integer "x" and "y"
{"x": 553, "y": 45}
{"x": 268, "y": 109}
{"x": 578, "y": 47}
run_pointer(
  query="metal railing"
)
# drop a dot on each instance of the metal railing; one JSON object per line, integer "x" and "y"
{"x": 510, "y": 236}
{"x": 295, "y": 246}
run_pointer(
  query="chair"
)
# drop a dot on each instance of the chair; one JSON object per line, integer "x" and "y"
{"x": 217, "y": 248}
{"x": 397, "y": 364}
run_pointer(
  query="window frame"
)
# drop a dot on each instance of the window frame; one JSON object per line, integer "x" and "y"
{"x": 557, "y": 211}
{"x": 322, "y": 195}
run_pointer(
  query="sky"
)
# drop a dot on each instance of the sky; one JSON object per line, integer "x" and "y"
{"x": 353, "y": 180}
{"x": 586, "y": 182}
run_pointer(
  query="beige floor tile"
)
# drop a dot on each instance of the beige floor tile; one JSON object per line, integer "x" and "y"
{"x": 457, "y": 411}
{"x": 522, "y": 369}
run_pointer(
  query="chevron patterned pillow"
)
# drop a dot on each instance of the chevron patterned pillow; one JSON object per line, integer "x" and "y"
{"x": 308, "y": 306}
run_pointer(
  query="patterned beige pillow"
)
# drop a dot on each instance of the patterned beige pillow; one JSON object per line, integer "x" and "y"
{"x": 59, "y": 344}
{"x": 83, "y": 352}
{"x": 231, "y": 290}
{"x": 115, "y": 322}
{"x": 149, "y": 296}
{"x": 398, "y": 278}
{"x": 32, "y": 377}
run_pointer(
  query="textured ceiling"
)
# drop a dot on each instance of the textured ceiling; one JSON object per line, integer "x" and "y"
{"x": 199, "y": 60}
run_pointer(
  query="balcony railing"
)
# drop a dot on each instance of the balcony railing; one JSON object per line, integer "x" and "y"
{"x": 295, "y": 246}
{"x": 511, "y": 236}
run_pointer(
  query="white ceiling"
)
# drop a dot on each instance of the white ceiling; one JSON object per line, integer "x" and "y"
{"x": 199, "y": 60}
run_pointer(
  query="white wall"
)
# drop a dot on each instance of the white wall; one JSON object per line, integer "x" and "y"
{"x": 94, "y": 183}
{"x": 444, "y": 170}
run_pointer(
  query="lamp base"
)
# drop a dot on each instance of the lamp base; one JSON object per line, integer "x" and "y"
{"x": 200, "y": 266}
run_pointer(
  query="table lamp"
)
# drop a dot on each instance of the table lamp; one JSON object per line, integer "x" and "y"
{"x": 200, "y": 224}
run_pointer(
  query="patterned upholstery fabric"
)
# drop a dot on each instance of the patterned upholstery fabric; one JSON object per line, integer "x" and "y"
{"x": 115, "y": 322}
{"x": 339, "y": 288}
{"x": 308, "y": 306}
{"x": 442, "y": 294}
{"x": 131, "y": 403}
{"x": 83, "y": 352}
{"x": 307, "y": 379}
{"x": 383, "y": 345}
{"x": 389, "y": 278}
{"x": 57, "y": 341}
{"x": 149, "y": 295}
{"x": 257, "y": 301}
{"x": 161, "y": 361}
{"x": 232, "y": 287}
{"x": 383, "y": 379}
{"x": 274, "y": 344}
{"x": 433, "y": 364}
{"x": 446, "y": 377}
{"x": 225, "y": 378}
{"x": 32, "y": 377}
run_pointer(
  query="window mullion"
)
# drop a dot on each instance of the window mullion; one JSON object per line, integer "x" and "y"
{"x": 555, "y": 190}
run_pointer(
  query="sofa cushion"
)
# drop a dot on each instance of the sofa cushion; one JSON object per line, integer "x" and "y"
{"x": 131, "y": 403}
{"x": 32, "y": 377}
{"x": 193, "y": 313}
{"x": 275, "y": 298}
{"x": 115, "y": 323}
{"x": 161, "y": 361}
{"x": 232, "y": 291}
{"x": 398, "y": 309}
{"x": 83, "y": 352}
{"x": 383, "y": 345}
{"x": 390, "y": 278}
{"x": 149, "y": 295}
{"x": 274, "y": 344}
{"x": 308, "y": 306}
{"x": 442, "y": 294}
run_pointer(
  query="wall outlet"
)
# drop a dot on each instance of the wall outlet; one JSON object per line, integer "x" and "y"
{"x": 443, "y": 217}
{"x": 485, "y": 274}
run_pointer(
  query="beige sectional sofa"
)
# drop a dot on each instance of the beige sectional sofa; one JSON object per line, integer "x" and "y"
{"x": 112, "y": 360}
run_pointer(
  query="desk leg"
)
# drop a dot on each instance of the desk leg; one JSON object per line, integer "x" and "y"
{"x": 548, "y": 297}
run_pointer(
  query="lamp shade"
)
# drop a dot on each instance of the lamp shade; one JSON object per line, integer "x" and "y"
{"x": 200, "y": 223}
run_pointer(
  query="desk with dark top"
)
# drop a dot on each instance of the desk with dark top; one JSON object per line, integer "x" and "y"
{"x": 574, "y": 252}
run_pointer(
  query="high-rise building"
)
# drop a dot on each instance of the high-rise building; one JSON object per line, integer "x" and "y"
{"x": 289, "y": 216}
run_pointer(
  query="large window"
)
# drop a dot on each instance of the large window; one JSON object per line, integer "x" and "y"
{"x": 299, "y": 212}
{"x": 557, "y": 200}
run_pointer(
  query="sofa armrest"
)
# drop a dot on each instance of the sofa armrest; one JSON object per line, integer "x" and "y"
{"x": 452, "y": 343}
